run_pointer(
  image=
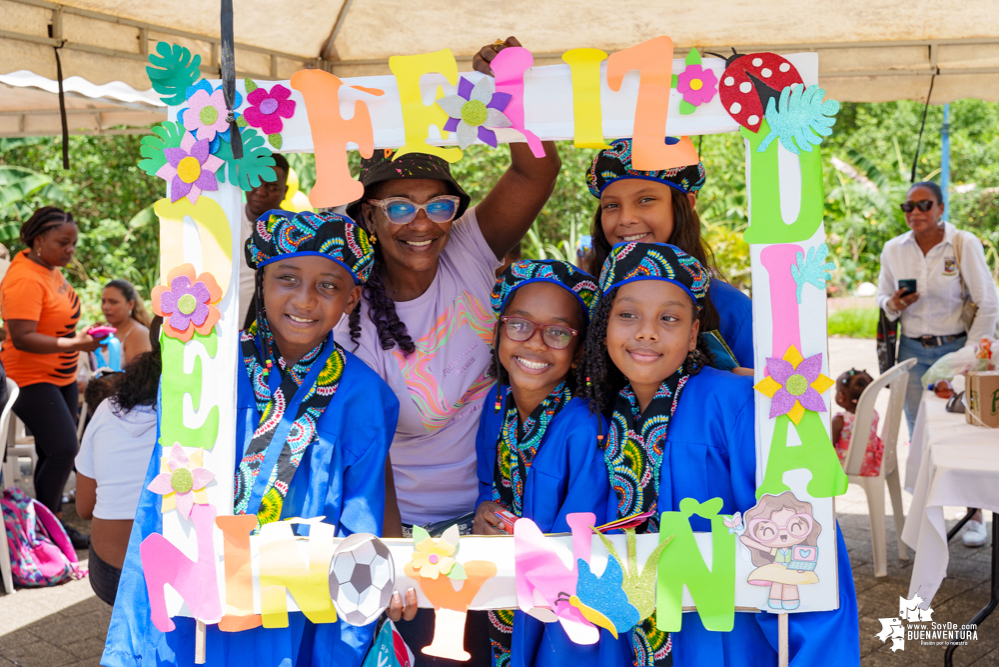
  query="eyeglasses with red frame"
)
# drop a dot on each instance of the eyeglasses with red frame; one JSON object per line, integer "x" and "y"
{"x": 554, "y": 336}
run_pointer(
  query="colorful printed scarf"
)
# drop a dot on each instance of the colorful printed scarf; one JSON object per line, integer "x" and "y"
{"x": 634, "y": 456}
{"x": 517, "y": 445}
{"x": 516, "y": 448}
{"x": 272, "y": 410}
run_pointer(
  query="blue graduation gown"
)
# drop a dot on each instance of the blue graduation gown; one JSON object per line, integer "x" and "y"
{"x": 715, "y": 457}
{"x": 736, "y": 312}
{"x": 568, "y": 475}
{"x": 341, "y": 477}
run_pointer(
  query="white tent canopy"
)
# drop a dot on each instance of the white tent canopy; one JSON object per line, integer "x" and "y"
{"x": 869, "y": 50}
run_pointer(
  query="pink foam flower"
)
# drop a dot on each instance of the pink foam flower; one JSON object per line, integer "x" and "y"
{"x": 267, "y": 108}
{"x": 206, "y": 114}
{"x": 181, "y": 483}
{"x": 697, "y": 84}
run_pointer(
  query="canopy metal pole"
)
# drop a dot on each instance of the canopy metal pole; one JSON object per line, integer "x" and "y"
{"x": 945, "y": 159}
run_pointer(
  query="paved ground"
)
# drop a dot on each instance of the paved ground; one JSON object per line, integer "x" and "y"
{"x": 66, "y": 625}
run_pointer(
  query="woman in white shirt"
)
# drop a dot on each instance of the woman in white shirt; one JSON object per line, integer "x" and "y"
{"x": 111, "y": 467}
{"x": 931, "y": 316}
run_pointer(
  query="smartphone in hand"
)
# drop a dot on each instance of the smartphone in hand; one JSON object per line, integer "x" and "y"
{"x": 907, "y": 284}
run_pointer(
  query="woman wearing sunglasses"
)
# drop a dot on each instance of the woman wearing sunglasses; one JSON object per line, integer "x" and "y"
{"x": 943, "y": 262}
{"x": 425, "y": 325}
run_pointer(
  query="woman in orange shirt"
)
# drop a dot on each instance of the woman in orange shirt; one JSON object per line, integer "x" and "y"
{"x": 40, "y": 354}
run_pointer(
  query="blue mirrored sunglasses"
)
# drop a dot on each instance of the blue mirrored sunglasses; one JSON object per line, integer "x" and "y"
{"x": 402, "y": 211}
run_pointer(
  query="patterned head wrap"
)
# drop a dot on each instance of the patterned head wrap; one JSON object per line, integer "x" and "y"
{"x": 580, "y": 284}
{"x": 381, "y": 167}
{"x": 614, "y": 164}
{"x": 278, "y": 234}
{"x": 629, "y": 262}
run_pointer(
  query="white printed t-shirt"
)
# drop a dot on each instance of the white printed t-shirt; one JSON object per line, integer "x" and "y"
{"x": 442, "y": 385}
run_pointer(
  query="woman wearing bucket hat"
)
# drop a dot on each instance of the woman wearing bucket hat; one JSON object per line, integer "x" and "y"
{"x": 658, "y": 207}
{"x": 425, "y": 323}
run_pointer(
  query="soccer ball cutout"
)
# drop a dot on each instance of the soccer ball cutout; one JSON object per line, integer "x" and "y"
{"x": 362, "y": 578}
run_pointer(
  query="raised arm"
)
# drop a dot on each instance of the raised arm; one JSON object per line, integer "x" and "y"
{"x": 510, "y": 208}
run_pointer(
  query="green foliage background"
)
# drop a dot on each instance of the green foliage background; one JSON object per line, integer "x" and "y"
{"x": 867, "y": 164}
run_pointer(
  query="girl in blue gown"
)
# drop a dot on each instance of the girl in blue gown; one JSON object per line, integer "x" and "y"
{"x": 659, "y": 206}
{"x": 536, "y": 444}
{"x": 682, "y": 429}
{"x": 309, "y": 272}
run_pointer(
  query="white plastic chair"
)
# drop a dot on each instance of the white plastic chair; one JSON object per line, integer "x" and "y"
{"x": 5, "y": 479}
{"x": 82, "y": 423}
{"x": 897, "y": 378}
{"x": 19, "y": 444}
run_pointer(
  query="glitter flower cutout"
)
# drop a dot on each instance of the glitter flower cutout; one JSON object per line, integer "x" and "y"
{"x": 222, "y": 135}
{"x": 697, "y": 84}
{"x": 187, "y": 305}
{"x": 434, "y": 556}
{"x": 190, "y": 169}
{"x": 474, "y": 110}
{"x": 206, "y": 114}
{"x": 795, "y": 384}
{"x": 182, "y": 481}
{"x": 267, "y": 108}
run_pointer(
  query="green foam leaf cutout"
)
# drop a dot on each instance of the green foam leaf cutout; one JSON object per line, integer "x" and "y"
{"x": 419, "y": 534}
{"x": 250, "y": 84}
{"x": 274, "y": 140}
{"x": 255, "y": 166}
{"x": 165, "y": 135}
{"x": 800, "y": 119}
{"x": 172, "y": 71}
{"x": 638, "y": 585}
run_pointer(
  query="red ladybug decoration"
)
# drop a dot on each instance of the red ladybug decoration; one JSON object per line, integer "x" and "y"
{"x": 750, "y": 81}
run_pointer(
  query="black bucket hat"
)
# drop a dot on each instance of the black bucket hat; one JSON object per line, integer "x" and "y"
{"x": 381, "y": 167}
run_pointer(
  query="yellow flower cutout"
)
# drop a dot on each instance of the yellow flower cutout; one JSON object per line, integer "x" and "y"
{"x": 432, "y": 557}
{"x": 795, "y": 384}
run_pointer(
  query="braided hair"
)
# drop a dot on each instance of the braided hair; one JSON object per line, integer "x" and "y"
{"x": 598, "y": 379}
{"x": 381, "y": 308}
{"x": 42, "y": 221}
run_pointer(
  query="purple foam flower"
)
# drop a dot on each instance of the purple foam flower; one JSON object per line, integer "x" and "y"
{"x": 697, "y": 84}
{"x": 794, "y": 384}
{"x": 190, "y": 169}
{"x": 267, "y": 108}
{"x": 474, "y": 110}
{"x": 186, "y": 303}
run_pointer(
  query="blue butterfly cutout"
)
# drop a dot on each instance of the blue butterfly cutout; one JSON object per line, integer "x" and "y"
{"x": 605, "y": 596}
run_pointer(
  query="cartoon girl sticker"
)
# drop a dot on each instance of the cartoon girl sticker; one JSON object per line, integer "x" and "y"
{"x": 782, "y": 537}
